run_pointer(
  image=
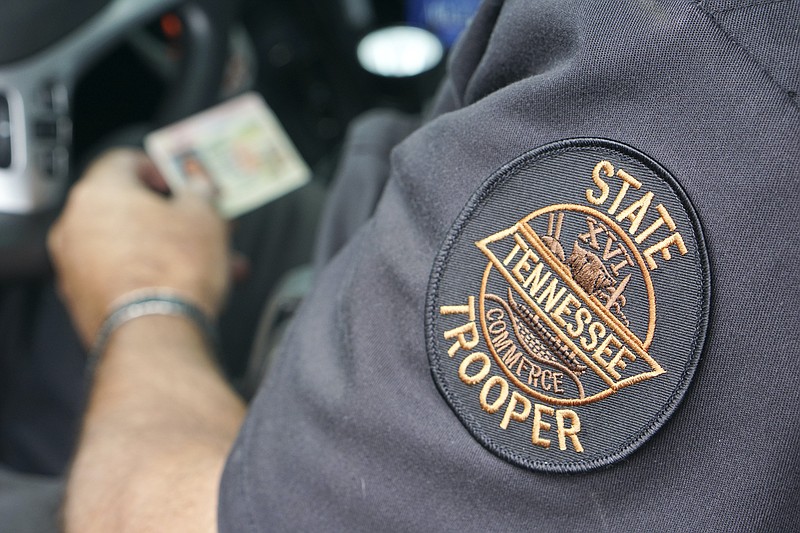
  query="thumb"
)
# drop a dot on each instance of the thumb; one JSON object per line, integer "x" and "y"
{"x": 202, "y": 187}
{"x": 197, "y": 178}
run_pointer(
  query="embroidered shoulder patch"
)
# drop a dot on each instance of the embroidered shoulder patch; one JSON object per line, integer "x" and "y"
{"x": 568, "y": 307}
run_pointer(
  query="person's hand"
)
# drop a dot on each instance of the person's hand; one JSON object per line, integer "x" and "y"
{"x": 117, "y": 235}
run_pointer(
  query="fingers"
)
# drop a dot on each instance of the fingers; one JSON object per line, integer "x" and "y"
{"x": 117, "y": 234}
{"x": 131, "y": 170}
{"x": 120, "y": 167}
{"x": 150, "y": 176}
{"x": 200, "y": 188}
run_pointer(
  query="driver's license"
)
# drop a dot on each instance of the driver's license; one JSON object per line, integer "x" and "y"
{"x": 237, "y": 148}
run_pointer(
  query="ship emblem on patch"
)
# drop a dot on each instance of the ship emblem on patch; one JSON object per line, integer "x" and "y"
{"x": 565, "y": 337}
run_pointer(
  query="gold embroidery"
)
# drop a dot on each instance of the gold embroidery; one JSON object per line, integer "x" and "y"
{"x": 569, "y": 304}
{"x": 517, "y": 406}
{"x": 663, "y": 247}
{"x": 635, "y": 212}
{"x": 627, "y": 182}
{"x": 608, "y": 168}
{"x": 664, "y": 218}
{"x": 486, "y": 366}
{"x": 564, "y": 272}
{"x": 511, "y": 414}
{"x": 500, "y": 400}
{"x": 635, "y": 219}
{"x": 458, "y": 333}
{"x": 523, "y": 264}
{"x": 615, "y": 362}
{"x": 563, "y": 309}
{"x": 566, "y": 308}
{"x": 540, "y": 425}
{"x": 571, "y": 431}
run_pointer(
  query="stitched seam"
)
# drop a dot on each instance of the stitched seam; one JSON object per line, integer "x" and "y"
{"x": 472, "y": 80}
{"x": 344, "y": 304}
{"x": 246, "y": 480}
{"x": 717, "y": 24}
{"x": 247, "y": 437}
{"x": 755, "y": 4}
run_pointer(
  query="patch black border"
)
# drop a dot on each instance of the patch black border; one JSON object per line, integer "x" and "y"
{"x": 497, "y": 179}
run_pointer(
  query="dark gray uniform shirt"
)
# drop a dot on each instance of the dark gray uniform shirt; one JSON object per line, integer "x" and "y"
{"x": 350, "y": 432}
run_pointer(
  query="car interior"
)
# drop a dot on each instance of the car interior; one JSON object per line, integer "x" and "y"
{"x": 79, "y": 77}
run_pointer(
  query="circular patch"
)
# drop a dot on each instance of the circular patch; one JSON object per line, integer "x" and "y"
{"x": 568, "y": 307}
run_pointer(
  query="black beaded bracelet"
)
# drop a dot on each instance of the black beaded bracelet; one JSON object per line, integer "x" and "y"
{"x": 145, "y": 303}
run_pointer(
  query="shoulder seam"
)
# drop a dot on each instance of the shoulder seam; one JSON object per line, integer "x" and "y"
{"x": 787, "y": 93}
{"x": 746, "y": 6}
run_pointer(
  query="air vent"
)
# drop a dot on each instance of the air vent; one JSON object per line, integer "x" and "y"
{"x": 5, "y": 133}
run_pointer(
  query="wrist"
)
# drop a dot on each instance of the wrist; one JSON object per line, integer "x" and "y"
{"x": 146, "y": 304}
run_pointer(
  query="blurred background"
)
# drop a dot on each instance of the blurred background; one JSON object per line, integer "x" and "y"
{"x": 78, "y": 76}
{"x": 302, "y": 55}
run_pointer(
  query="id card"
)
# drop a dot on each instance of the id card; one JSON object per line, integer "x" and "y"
{"x": 238, "y": 147}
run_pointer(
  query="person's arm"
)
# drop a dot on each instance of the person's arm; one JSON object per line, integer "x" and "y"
{"x": 161, "y": 418}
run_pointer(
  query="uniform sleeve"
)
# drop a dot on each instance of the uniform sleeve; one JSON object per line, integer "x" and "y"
{"x": 351, "y": 431}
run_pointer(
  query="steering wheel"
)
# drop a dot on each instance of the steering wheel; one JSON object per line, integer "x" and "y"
{"x": 37, "y": 78}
